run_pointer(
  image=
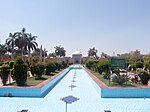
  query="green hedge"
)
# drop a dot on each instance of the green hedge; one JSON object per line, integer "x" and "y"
{"x": 11, "y": 64}
{"x": 50, "y": 67}
{"x": 58, "y": 65}
{"x": 144, "y": 76}
{"x": 120, "y": 79}
{"x": 5, "y": 71}
{"x": 20, "y": 71}
{"x": 103, "y": 67}
{"x": 38, "y": 69}
{"x": 139, "y": 64}
{"x": 92, "y": 64}
{"x": 64, "y": 64}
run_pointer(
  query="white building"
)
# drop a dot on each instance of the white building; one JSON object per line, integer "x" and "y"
{"x": 77, "y": 57}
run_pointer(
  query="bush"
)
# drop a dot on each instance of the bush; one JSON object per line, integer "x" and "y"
{"x": 5, "y": 71}
{"x": 29, "y": 64}
{"x": 6, "y": 62}
{"x": 58, "y": 65}
{"x": 64, "y": 64}
{"x": 50, "y": 67}
{"x": 144, "y": 76}
{"x": 103, "y": 67}
{"x": 92, "y": 64}
{"x": 120, "y": 79}
{"x": 147, "y": 65}
{"x": 38, "y": 69}
{"x": 70, "y": 63}
{"x": 1, "y": 63}
{"x": 105, "y": 75}
{"x": 11, "y": 64}
{"x": 116, "y": 71}
{"x": 35, "y": 59}
{"x": 139, "y": 64}
{"x": 20, "y": 71}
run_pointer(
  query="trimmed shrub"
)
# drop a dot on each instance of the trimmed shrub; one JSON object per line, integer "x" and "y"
{"x": 58, "y": 65}
{"x": 1, "y": 63}
{"x": 147, "y": 65}
{"x": 64, "y": 64}
{"x": 105, "y": 75}
{"x": 92, "y": 64}
{"x": 120, "y": 79}
{"x": 20, "y": 72}
{"x": 5, "y": 71}
{"x": 103, "y": 67}
{"x": 50, "y": 67}
{"x": 11, "y": 64}
{"x": 70, "y": 63}
{"x": 38, "y": 69}
{"x": 144, "y": 76}
{"x": 28, "y": 64}
{"x": 34, "y": 60}
{"x": 139, "y": 64}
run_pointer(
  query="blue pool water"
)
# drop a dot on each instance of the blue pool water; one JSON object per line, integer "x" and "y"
{"x": 84, "y": 89}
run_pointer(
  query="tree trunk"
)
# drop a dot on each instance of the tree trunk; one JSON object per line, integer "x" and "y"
{"x": 44, "y": 55}
{"x": 12, "y": 53}
{"x": 22, "y": 52}
{"x": 29, "y": 55}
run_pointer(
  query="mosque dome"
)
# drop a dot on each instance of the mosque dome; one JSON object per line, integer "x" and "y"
{"x": 77, "y": 53}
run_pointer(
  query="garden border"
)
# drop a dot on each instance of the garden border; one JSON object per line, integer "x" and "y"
{"x": 119, "y": 92}
{"x": 38, "y": 91}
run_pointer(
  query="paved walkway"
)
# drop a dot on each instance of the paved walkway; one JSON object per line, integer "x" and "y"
{"x": 89, "y": 99}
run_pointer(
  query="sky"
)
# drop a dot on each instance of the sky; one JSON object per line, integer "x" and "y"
{"x": 110, "y": 26}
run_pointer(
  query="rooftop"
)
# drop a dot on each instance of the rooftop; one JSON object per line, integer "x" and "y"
{"x": 77, "y": 53}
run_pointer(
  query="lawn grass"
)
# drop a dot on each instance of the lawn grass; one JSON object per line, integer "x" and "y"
{"x": 112, "y": 84}
{"x": 100, "y": 77}
{"x": 32, "y": 81}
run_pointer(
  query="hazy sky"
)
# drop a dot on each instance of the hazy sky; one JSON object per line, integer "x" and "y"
{"x": 108, "y": 25}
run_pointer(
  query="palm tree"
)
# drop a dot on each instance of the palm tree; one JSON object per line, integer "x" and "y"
{"x": 36, "y": 52}
{"x": 21, "y": 40}
{"x": 31, "y": 44}
{"x": 60, "y": 51}
{"x": 104, "y": 55}
{"x": 92, "y": 52}
{"x": 45, "y": 54}
{"x": 3, "y": 50}
{"x": 10, "y": 42}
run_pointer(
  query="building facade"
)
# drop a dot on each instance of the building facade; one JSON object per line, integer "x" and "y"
{"x": 77, "y": 57}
